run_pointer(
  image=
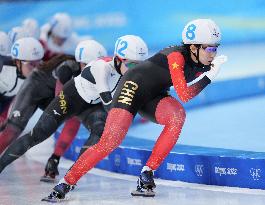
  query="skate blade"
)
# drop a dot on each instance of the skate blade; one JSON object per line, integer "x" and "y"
{"x": 47, "y": 179}
{"x": 146, "y": 193}
{"x": 52, "y": 200}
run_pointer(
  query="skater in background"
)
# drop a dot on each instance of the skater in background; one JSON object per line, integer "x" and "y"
{"x": 57, "y": 36}
{"x": 11, "y": 77}
{"x": 27, "y": 54}
{"x": 7, "y": 81}
{"x": 93, "y": 118}
{"x": 38, "y": 89}
{"x": 143, "y": 89}
{"x": 17, "y": 33}
{"x": 32, "y": 27}
{"x": 83, "y": 96}
{"x": 28, "y": 28}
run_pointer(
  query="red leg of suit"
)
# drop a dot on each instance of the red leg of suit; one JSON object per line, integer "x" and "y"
{"x": 58, "y": 87}
{"x": 67, "y": 136}
{"x": 4, "y": 114}
{"x": 169, "y": 112}
{"x": 7, "y": 136}
{"x": 116, "y": 127}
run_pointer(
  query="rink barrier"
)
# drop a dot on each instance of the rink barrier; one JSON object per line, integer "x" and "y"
{"x": 193, "y": 164}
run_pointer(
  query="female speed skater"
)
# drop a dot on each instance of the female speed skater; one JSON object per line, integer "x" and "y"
{"x": 86, "y": 51}
{"x": 143, "y": 89}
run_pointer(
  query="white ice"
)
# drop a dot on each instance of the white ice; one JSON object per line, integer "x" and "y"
{"x": 20, "y": 185}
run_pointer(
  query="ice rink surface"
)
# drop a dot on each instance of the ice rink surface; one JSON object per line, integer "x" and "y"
{"x": 231, "y": 128}
{"x": 20, "y": 185}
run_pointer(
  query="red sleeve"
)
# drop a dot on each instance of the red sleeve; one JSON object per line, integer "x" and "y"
{"x": 176, "y": 64}
{"x": 58, "y": 87}
{"x": 48, "y": 54}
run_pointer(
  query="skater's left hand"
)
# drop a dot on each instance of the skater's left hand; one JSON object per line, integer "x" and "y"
{"x": 215, "y": 67}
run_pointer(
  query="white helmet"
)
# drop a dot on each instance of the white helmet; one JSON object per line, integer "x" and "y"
{"x": 201, "y": 31}
{"x": 131, "y": 47}
{"x": 32, "y": 27}
{"x": 61, "y": 25}
{"x": 27, "y": 49}
{"x": 5, "y": 44}
{"x": 89, "y": 50}
{"x": 16, "y": 33}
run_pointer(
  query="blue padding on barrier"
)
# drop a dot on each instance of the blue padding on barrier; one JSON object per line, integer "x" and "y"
{"x": 185, "y": 163}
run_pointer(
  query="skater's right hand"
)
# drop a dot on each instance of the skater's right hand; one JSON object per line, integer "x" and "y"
{"x": 215, "y": 67}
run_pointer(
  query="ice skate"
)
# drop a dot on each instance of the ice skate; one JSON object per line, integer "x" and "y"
{"x": 51, "y": 171}
{"x": 58, "y": 193}
{"x": 145, "y": 185}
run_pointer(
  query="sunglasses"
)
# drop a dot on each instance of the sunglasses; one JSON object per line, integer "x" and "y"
{"x": 210, "y": 49}
{"x": 130, "y": 64}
